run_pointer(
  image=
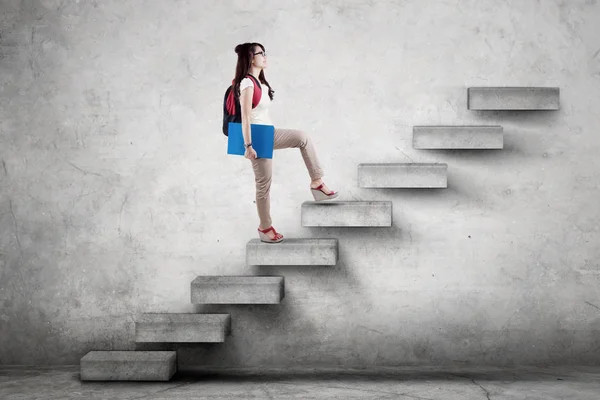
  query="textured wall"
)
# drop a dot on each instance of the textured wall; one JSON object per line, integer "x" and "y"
{"x": 116, "y": 191}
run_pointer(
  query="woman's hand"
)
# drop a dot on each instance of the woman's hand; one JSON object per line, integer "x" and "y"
{"x": 250, "y": 153}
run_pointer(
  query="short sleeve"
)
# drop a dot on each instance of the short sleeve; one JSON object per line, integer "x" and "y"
{"x": 246, "y": 82}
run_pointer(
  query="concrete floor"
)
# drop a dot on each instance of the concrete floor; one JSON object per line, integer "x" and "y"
{"x": 476, "y": 383}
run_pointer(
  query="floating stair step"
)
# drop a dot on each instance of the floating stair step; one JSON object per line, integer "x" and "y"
{"x": 128, "y": 366}
{"x": 403, "y": 175}
{"x": 309, "y": 251}
{"x": 347, "y": 213}
{"x": 513, "y": 98}
{"x": 238, "y": 289}
{"x": 182, "y": 328}
{"x": 458, "y": 137}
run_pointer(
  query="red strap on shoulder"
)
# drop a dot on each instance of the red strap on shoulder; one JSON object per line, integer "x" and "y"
{"x": 257, "y": 95}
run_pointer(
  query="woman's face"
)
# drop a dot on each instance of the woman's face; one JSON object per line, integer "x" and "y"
{"x": 260, "y": 58}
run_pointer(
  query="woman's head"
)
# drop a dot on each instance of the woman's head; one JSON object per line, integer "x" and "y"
{"x": 250, "y": 55}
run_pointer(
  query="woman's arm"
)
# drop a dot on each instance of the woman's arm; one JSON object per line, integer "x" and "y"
{"x": 246, "y": 105}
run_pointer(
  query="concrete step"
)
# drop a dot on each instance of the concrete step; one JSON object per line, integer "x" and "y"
{"x": 308, "y": 251}
{"x": 513, "y": 98}
{"x": 182, "y": 328}
{"x": 458, "y": 137}
{"x": 238, "y": 289}
{"x": 403, "y": 175}
{"x": 128, "y": 366}
{"x": 347, "y": 213}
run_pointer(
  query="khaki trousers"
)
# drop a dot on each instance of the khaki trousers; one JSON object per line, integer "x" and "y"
{"x": 263, "y": 168}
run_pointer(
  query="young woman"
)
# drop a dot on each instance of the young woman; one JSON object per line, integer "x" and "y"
{"x": 252, "y": 60}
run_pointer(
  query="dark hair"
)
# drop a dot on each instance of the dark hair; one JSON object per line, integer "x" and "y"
{"x": 245, "y": 53}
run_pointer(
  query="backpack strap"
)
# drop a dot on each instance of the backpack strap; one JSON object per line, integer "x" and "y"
{"x": 257, "y": 91}
{"x": 230, "y": 100}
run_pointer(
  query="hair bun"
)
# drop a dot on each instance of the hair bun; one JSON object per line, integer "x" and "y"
{"x": 238, "y": 48}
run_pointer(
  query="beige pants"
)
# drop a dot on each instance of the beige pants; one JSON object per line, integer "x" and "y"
{"x": 263, "y": 168}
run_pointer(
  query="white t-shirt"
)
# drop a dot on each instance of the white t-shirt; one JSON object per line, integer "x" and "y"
{"x": 259, "y": 114}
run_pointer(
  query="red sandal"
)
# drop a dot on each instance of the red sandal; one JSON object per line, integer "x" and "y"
{"x": 320, "y": 195}
{"x": 265, "y": 238}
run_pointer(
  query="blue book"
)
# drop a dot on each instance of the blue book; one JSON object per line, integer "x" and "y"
{"x": 262, "y": 137}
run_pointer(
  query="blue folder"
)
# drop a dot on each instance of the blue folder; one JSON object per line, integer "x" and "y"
{"x": 262, "y": 137}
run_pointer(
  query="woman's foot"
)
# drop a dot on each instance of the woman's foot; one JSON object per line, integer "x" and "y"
{"x": 269, "y": 235}
{"x": 321, "y": 192}
{"x": 315, "y": 184}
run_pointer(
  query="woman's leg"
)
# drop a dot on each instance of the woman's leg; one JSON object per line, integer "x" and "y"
{"x": 263, "y": 170}
{"x": 262, "y": 177}
{"x": 294, "y": 138}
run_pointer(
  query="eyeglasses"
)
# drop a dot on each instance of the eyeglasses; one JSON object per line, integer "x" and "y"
{"x": 264, "y": 54}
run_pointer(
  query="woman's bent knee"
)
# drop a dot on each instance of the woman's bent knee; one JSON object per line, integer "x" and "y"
{"x": 302, "y": 138}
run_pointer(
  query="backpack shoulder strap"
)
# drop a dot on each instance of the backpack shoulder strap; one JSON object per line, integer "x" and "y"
{"x": 257, "y": 91}
{"x": 256, "y": 82}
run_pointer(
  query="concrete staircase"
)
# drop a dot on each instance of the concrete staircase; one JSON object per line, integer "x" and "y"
{"x": 347, "y": 214}
{"x": 513, "y": 98}
{"x": 293, "y": 252}
{"x": 238, "y": 290}
{"x": 128, "y": 366}
{"x": 182, "y": 328}
{"x": 213, "y": 328}
{"x": 407, "y": 176}
{"x": 458, "y": 137}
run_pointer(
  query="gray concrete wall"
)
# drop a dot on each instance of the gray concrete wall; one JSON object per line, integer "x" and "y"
{"x": 116, "y": 191}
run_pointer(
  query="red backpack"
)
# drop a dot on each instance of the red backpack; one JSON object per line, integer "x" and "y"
{"x": 232, "y": 110}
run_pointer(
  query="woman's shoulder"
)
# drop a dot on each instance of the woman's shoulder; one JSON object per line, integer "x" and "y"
{"x": 246, "y": 82}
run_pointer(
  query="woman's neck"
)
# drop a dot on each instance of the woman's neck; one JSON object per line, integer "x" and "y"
{"x": 255, "y": 72}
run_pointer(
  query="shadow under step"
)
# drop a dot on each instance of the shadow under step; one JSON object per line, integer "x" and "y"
{"x": 513, "y": 98}
{"x": 128, "y": 366}
{"x": 182, "y": 328}
{"x": 250, "y": 289}
{"x": 347, "y": 213}
{"x": 403, "y": 175}
{"x": 301, "y": 251}
{"x": 458, "y": 137}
